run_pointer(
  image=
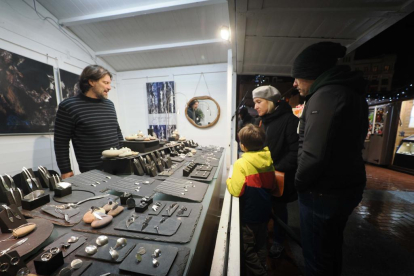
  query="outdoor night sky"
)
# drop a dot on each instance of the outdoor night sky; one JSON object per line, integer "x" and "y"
{"x": 394, "y": 40}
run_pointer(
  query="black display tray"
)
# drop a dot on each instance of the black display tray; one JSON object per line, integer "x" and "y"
{"x": 88, "y": 180}
{"x": 183, "y": 188}
{"x": 64, "y": 239}
{"x": 77, "y": 272}
{"x": 168, "y": 228}
{"x": 127, "y": 184}
{"x": 183, "y": 235}
{"x": 152, "y": 212}
{"x": 142, "y": 146}
{"x": 208, "y": 179}
{"x": 145, "y": 267}
{"x": 103, "y": 251}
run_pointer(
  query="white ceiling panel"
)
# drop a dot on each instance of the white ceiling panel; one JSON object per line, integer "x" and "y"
{"x": 269, "y": 34}
{"x": 143, "y": 34}
{"x": 161, "y": 28}
{"x": 73, "y": 8}
{"x": 196, "y": 55}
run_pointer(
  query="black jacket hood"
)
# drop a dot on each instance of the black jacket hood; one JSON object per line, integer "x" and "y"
{"x": 340, "y": 75}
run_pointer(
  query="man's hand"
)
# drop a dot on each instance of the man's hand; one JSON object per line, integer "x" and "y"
{"x": 66, "y": 175}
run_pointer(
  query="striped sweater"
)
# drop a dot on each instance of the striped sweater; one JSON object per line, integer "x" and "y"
{"x": 253, "y": 179}
{"x": 93, "y": 127}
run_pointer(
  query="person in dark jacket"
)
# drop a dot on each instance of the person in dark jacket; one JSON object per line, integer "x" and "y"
{"x": 191, "y": 112}
{"x": 282, "y": 139}
{"x": 331, "y": 174}
{"x": 244, "y": 118}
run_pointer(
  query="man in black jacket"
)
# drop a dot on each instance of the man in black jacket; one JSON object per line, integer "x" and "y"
{"x": 330, "y": 178}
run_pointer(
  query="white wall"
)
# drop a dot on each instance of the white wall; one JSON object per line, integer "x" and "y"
{"x": 133, "y": 101}
{"x": 24, "y": 33}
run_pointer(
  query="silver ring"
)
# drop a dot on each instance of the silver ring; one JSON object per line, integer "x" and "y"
{"x": 54, "y": 250}
{"x": 13, "y": 260}
{"x": 4, "y": 267}
{"x": 46, "y": 256}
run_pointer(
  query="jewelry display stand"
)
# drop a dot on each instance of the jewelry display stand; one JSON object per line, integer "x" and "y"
{"x": 14, "y": 262}
{"x": 47, "y": 267}
{"x": 11, "y": 219}
{"x": 30, "y": 204}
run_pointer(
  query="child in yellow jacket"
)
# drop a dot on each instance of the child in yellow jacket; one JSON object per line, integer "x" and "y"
{"x": 253, "y": 180}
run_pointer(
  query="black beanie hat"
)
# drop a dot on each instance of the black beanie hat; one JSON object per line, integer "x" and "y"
{"x": 316, "y": 59}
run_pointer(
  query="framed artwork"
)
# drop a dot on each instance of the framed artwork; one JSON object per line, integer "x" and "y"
{"x": 69, "y": 84}
{"x": 160, "y": 96}
{"x": 28, "y": 101}
{"x": 163, "y": 131}
{"x": 161, "y": 108}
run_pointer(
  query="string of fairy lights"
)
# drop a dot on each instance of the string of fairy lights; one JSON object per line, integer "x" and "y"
{"x": 401, "y": 94}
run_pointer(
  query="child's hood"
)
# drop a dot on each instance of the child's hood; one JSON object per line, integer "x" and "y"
{"x": 259, "y": 159}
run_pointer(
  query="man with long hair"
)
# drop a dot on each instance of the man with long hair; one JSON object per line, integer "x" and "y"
{"x": 89, "y": 120}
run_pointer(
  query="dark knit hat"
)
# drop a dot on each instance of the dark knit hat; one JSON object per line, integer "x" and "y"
{"x": 316, "y": 59}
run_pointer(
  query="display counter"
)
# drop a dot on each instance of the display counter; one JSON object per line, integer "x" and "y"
{"x": 404, "y": 156}
{"x": 190, "y": 255}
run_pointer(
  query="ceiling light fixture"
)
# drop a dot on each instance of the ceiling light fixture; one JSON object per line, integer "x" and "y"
{"x": 225, "y": 33}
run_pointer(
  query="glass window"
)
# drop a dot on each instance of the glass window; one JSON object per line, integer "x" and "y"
{"x": 375, "y": 69}
{"x": 386, "y": 68}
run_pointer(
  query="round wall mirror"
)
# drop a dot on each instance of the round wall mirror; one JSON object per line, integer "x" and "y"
{"x": 202, "y": 111}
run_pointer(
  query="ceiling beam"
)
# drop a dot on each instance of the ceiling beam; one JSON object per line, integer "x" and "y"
{"x": 241, "y": 21}
{"x": 135, "y": 11}
{"x": 374, "y": 11}
{"x": 344, "y": 41}
{"x": 232, "y": 19}
{"x": 159, "y": 47}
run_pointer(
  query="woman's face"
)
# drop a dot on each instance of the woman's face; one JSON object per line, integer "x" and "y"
{"x": 261, "y": 106}
{"x": 195, "y": 105}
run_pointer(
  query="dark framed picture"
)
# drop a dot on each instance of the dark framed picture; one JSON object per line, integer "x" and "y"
{"x": 69, "y": 84}
{"x": 28, "y": 101}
